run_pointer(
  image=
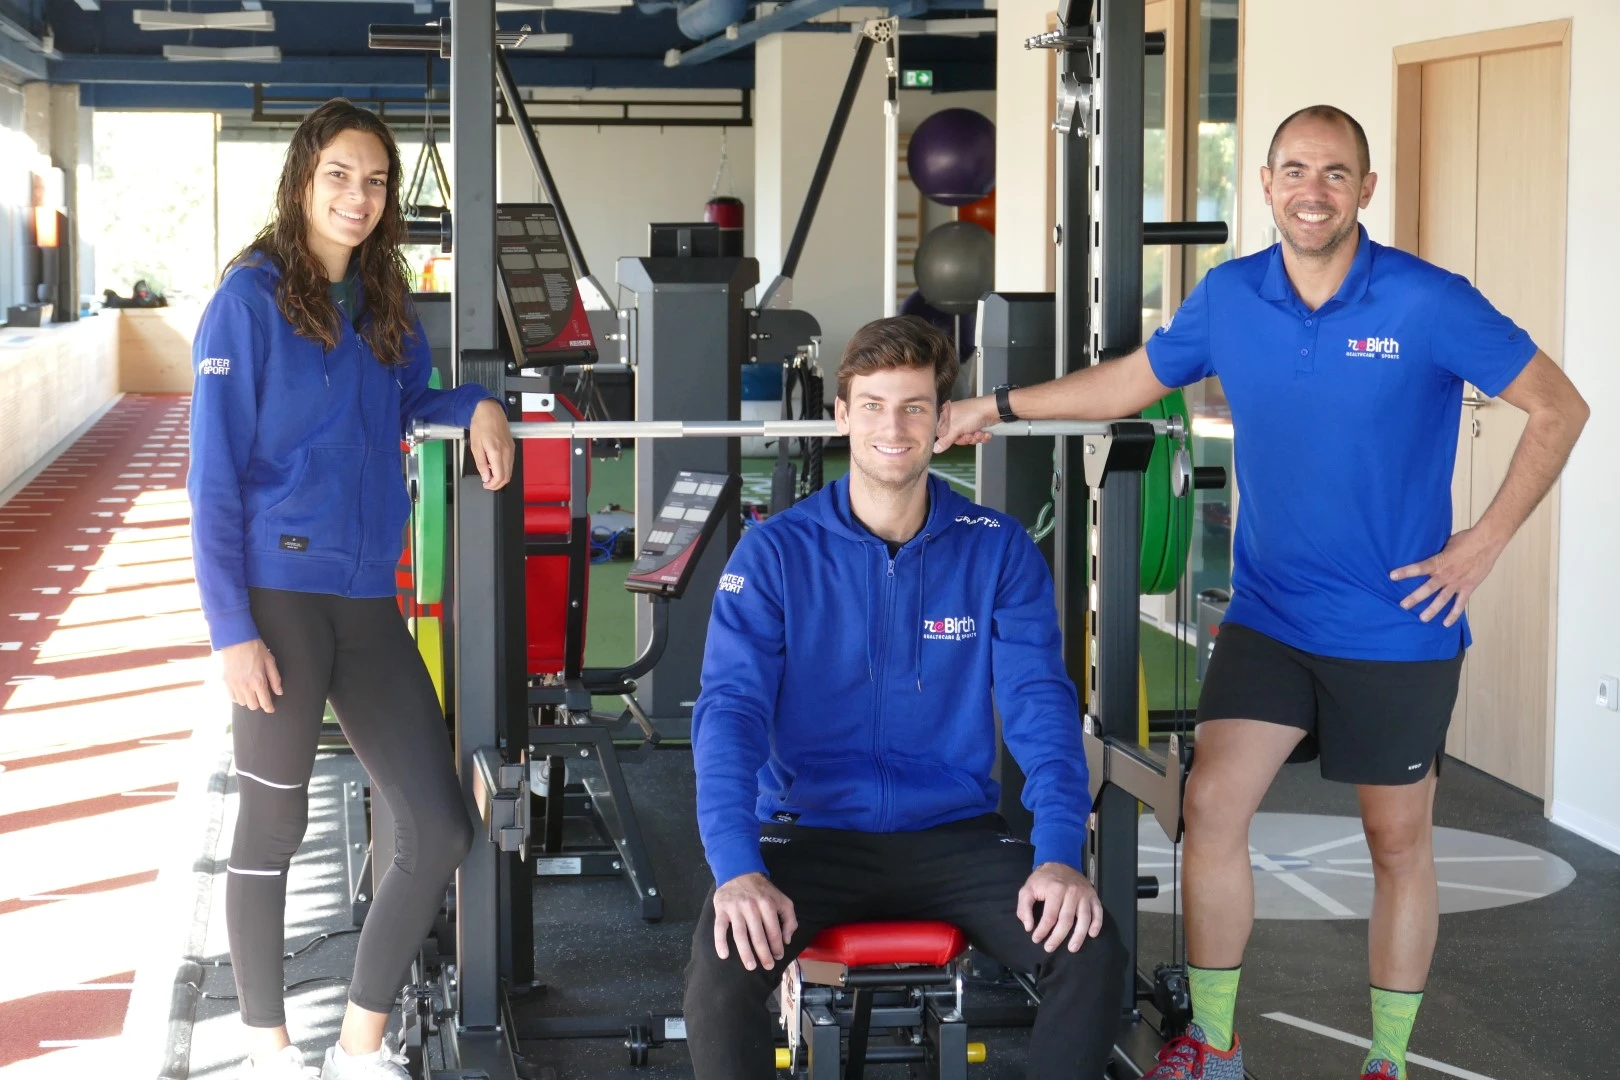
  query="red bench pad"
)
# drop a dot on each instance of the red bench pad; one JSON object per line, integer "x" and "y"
{"x": 868, "y": 944}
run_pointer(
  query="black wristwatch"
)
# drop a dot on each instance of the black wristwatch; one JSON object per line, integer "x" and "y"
{"x": 1004, "y": 402}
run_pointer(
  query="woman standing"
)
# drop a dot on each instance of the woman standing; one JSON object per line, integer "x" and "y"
{"x": 310, "y": 362}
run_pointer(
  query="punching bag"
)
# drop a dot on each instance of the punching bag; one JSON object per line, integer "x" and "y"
{"x": 726, "y": 211}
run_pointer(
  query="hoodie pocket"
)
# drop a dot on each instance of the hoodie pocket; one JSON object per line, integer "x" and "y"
{"x": 847, "y": 788}
{"x": 387, "y": 507}
{"x": 926, "y": 790}
{"x": 319, "y": 517}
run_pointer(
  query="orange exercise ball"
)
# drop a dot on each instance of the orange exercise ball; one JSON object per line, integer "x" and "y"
{"x": 981, "y": 213}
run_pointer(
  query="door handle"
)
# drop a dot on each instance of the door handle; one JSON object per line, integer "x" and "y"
{"x": 1475, "y": 401}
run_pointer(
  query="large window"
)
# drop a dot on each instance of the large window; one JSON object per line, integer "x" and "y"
{"x": 1212, "y": 177}
{"x": 19, "y": 159}
{"x": 176, "y": 218}
{"x": 1190, "y": 173}
{"x": 151, "y": 209}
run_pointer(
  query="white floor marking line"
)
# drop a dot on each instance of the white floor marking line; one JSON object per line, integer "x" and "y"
{"x": 1155, "y": 850}
{"x": 68, "y": 1044}
{"x": 1301, "y": 886}
{"x": 1453, "y": 859}
{"x": 1305, "y": 853}
{"x": 1365, "y": 1044}
{"x": 1445, "y": 884}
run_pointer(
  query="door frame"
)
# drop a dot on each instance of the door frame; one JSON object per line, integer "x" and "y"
{"x": 1408, "y": 113}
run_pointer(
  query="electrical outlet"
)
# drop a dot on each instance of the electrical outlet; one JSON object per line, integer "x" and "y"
{"x": 1608, "y": 694}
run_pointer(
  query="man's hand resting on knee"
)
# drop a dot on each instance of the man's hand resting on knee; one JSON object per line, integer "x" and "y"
{"x": 1069, "y": 907}
{"x": 758, "y": 915}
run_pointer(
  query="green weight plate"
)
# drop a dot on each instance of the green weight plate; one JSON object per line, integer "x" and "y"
{"x": 1155, "y": 503}
{"x": 432, "y": 522}
{"x": 432, "y": 519}
{"x": 1178, "y": 536}
{"x": 1164, "y": 553}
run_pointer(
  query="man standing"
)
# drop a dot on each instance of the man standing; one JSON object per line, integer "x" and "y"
{"x": 860, "y": 647}
{"x": 1343, "y": 362}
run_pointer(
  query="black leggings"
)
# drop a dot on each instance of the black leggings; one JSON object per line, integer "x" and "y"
{"x": 358, "y": 654}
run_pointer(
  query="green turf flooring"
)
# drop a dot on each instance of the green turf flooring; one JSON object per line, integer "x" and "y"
{"x": 610, "y": 634}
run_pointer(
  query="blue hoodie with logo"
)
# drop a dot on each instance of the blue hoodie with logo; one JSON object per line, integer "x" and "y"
{"x": 297, "y": 478}
{"x": 847, "y": 689}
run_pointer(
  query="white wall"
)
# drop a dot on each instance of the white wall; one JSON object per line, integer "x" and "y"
{"x": 615, "y": 180}
{"x": 1024, "y": 142}
{"x": 798, "y": 79}
{"x": 1282, "y": 73}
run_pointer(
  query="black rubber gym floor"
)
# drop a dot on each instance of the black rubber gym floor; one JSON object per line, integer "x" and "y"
{"x": 1527, "y": 990}
{"x": 1518, "y": 991}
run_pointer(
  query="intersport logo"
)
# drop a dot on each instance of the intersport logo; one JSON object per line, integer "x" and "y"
{"x": 1381, "y": 348}
{"x": 961, "y": 628}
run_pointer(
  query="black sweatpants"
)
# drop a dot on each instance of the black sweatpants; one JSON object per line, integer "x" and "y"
{"x": 359, "y": 654}
{"x": 967, "y": 873}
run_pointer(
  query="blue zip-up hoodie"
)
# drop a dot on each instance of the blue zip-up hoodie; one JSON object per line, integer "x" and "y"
{"x": 297, "y": 479}
{"x": 845, "y": 689}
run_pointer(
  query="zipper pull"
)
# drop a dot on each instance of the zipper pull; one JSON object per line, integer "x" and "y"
{"x": 891, "y": 568}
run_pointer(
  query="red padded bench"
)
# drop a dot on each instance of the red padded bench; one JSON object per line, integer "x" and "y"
{"x": 546, "y": 491}
{"x": 833, "y": 984}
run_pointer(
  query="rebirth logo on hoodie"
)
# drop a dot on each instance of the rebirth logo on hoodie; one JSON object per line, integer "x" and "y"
{"x": 957, "y": 629}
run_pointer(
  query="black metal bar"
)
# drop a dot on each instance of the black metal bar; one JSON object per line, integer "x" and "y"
{"x": 879, "y": 977}
{"x": 487, "y": 686}
{"x": 860, "y": 1028}
{"x": 531, "y": 143}
{"x": 605, "y": 680}
{"x": 1114, "y": 471}
{"x": 829, "y": 151}
{"x": 1153, "y": 43}
{"x": 1116, "y": 180}
{"x": 1184, "y": 232}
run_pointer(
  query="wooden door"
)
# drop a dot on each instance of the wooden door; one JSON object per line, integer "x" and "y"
{"x": 1519, "y": 265}
{"x": 1492, "y": 155}
{"x": 1447, "y": 190}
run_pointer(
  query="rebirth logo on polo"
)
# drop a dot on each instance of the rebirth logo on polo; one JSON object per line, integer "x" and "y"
{"x": 961, "y": 628}
{"x": 1373, "y": 348}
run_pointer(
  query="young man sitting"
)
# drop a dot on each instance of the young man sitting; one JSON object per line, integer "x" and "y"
{"x": 859, "y": 648}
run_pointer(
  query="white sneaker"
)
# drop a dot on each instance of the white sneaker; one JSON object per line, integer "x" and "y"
{"x": 288, "y": 1064}
{"x": 388, "y": 1063}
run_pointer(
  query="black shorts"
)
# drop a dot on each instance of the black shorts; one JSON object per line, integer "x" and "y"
{"x": 1372, "y": 721}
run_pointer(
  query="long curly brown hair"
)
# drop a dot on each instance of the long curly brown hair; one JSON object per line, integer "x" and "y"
{"x": 302, "y": 292}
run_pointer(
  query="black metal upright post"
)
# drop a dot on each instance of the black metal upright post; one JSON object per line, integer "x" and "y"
{"x": 1116, "y": 180}
{"x": 1115, "y": 327}
{"x": 490, "y": 698}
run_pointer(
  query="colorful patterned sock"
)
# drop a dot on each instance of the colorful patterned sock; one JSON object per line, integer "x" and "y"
{"x": 1214, "y": 1002}
{"x": 1393, "y": 1014}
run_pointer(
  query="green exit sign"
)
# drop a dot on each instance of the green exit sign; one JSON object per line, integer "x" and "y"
{"x": 917, "y": 79}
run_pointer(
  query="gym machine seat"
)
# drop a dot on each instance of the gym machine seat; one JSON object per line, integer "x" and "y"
{"x": 902, "y": 977}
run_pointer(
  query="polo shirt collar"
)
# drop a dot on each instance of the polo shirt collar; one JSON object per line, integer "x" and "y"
{"x": 1276, "y": 285}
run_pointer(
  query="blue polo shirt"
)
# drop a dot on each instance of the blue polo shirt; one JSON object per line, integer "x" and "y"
{"x": 1345, "y": 426}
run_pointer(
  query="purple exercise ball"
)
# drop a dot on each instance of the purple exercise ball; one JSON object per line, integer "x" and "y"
{"x": 952, "y": 157}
